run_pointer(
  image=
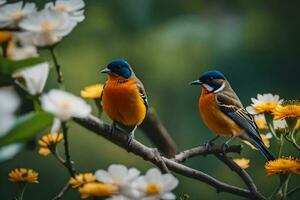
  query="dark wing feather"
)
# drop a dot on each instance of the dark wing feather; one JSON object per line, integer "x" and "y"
{"x": 230, "y": 105}
{"x": 142, "y": 92}
{"x": 235, "y": 110}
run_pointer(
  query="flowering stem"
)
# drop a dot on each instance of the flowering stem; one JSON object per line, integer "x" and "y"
{"x": 22, "y": 190}
{"x": 293, "y": 142}
{"x": 57, "y": 156}
{"x": 36, "y": 103}
{"x": 292, "y": 191}
{"x": 4, "y": 49}
{"x": 68, "y": 162}
{"x": 62, "y": 192}
{"x": 281, "y": 141}
{"x": 285, "y": 186}
{"x": 271, "y": 126}
{"x": 57, "y": 66}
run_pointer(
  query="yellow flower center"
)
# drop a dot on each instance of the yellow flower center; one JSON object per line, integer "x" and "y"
{"x": 265, "y": 107}
{"x": 17, "y": 15}
{"x": 65, "y": 105}
{"x": 5, "y": 36}
{"x": 152, "y": 189}
{"x": 47, "y": 27}
{"x": 60, "y": 8}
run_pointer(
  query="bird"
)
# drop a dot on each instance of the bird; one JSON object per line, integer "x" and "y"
{"x": 123, "y": 97}
{"x": 224, "y": 114}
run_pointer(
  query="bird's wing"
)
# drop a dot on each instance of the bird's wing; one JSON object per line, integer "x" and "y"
{"x": 101, "y": 96}
{"x": 232, "y": 107}
{"x": 142, "y": 92}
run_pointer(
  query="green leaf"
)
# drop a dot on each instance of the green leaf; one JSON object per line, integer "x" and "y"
{"x": 9, "y": 66}
{"x": 27, "y": 126}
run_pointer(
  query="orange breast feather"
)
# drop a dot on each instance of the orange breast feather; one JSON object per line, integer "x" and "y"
{"x": 214, "y": 118}
{"x": 122, "y": 102}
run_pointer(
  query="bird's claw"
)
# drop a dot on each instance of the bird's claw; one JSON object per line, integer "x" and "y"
{"x": 208, "y": 145}
{"x": 129, "y": 140}
{"x": 224, "y": 147}
{"x": 112, "y": 129}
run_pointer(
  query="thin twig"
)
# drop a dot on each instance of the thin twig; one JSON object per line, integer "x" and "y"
{"x": 62, "y": 192}
{"x": 241, "y": 172}
{"x": 120, "y": 138}
{"x": 57, "y": 66}
{"x": 68, "y": 162}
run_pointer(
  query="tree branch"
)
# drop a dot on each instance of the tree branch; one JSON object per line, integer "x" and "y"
{"x": 120, "y": 138}
{"x": 241, "y": 172}
{"x": 202, "y": 150}
{"x": 158, "y": 134}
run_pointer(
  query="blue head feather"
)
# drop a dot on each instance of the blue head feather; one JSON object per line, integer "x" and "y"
{"x": 210, "y": 75}
{"x": 120, "y": 67}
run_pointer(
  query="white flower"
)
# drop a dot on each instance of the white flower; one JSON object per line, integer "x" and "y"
{"x": 279, "y": 124}
{"x": 2, "y": 2}
{"x": 45, "y": 28}
{"x": 9, "y": 151}
{"x": 263, "y": 103}
{"x": 35, "y": 77}
{"x": 9, "y": 102}
{"x": 119, "y": 197}
{"x": 15, "y": 52}
{"x": 64, "y": 105}
{"x": 12, "y": 14}
{"x": 72, "y": 7}
{"x": 155, "y": 186}
{"x": 120, "y": 176}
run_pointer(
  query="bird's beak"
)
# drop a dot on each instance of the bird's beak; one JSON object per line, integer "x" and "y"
{"x": 105, "y": 70}
{"x": 196, "y": 82}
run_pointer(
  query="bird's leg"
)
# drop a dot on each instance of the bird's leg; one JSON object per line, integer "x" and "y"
{"x": 131, "y": 136}
{"x": 112, "y": 128}
{"x": 225, "y": 146}
{"x": 210, "y": 143}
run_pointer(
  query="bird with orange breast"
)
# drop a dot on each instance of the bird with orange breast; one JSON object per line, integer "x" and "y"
{"x": 123, "y": 97}
{"x": 224, "y": 114}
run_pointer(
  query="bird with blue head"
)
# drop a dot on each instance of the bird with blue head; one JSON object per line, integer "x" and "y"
{"x": 224, "y": 114}
{"x": 123, "y": 97}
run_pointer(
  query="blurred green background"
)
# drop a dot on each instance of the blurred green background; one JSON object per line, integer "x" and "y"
{"x": 170, "y": 43}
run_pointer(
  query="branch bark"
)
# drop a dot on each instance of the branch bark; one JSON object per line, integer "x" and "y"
{"x": 158, "y": 134}
{"x": 120, "y": 138}
{"x": 202, "y": 150}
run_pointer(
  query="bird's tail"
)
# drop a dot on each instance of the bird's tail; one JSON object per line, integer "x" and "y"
{"x": 263, "y": 149}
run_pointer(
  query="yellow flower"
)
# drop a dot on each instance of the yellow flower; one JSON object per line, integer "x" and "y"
{"x": 263, "y": 103}
{"x": 297, "y": 124}
{"x": 92, "y": 91}
{"x": 48, "y": 141}
{"x": 97, "y": 190}
{"x": 242, "y": 162}
{"x": 283, "y": 165}
{"x": 289, "y": 110}
{"x": 5, "y": 36}
{"x": 265, "y": 138}
{"x": 81, "y": 179}
{"x": 23, "y": 175}
{"x": 260, "y": 121}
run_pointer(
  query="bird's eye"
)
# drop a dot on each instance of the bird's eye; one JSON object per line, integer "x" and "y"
{"x": 211, "y": 78}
